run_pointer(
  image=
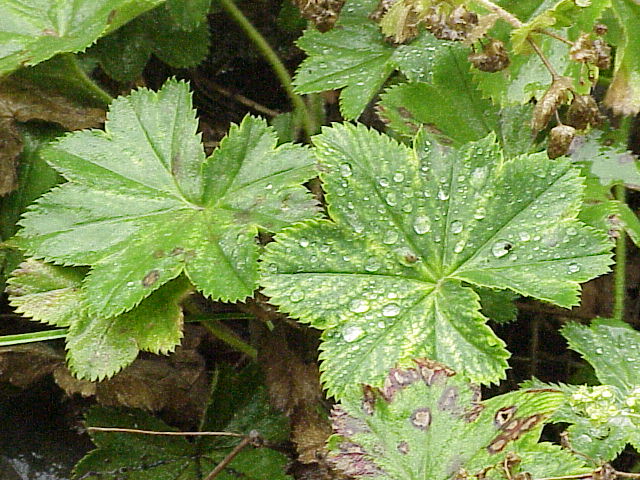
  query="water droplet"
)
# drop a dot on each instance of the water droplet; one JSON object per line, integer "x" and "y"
{"x": 391, "y": 199}
{"x": 391, "y": 310}
{"x": 443, "y": 194}
{"x": 390, "y": 237}
{"x": 459, "y": 246}
{"x": 269, "y": 186}
{"x": 297, "y": 295}
{"x": 480, "y": 213}
{"x": 398, "y": 177}
{"x": 345, "y": 170}
{"x": 304, "y": 243}
{"x": 359, "y": 306}
{"x": 456, "y": 227}
{"x": 501, "y": 248}
{"x": 524, "y": 236}
{"x": 130, "y": 284}
{"x": 573, "y": 267}
{"x": 383, "y": 182}
{"x": 421, "y": 225}
{"x": 599, "y": 351}
{"x": 381, "y": 325}
{"x": 351, "y": 334}
{"x": 372, "y": 265}
{"x": 572, "y": 231}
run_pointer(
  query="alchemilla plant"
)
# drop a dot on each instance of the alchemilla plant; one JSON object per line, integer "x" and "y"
{"x": 498, "y": 171}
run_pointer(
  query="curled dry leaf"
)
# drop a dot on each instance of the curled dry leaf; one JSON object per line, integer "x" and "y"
{"x": 583, "y": 112}
{"x": 549, "y": 103}
{"x": 485, "y": 23}
{"x": 323, "y": 13}
{"x": 560, "y": 138}
{"x": 587, "y": 50}
{"x": 22, "y": 101}
{"x": 493, "y": 57}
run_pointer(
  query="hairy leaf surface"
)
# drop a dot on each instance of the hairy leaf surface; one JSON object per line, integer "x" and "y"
{"x": 32, "y": 31}
{"x": 427, "y": 423}
{"x": 133, "y": 456}
{"x": 384, "y": 277}
{"x": 354, "y": 55}
{"x": 97, "y": 346}
{"x": 142, "y": 204}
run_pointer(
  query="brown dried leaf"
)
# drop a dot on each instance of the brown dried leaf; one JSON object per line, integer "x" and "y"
{"x": 22, "y": 101}
{"x": 493, "y": 57}
{"x": 323, "y": 13}
{"x": 549, "y": 103}
{"x": 485, "y": 23}
{"x": 309, "y": 434}
{"x": 24, "y": 365}
{"x": 560, "y": 138}
{"x": 177, "y": 384}
{"x": 583, "y": 112}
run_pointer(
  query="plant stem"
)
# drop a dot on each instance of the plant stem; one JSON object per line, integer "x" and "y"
{"x": 157, "y": 432}
{"x": 91, "y": 86}
{"x": 229, "y": 337}
{"x": 226, "y": 460}
{"x": 276, "y": 64}
{"x": 620, "y": 272}
{"x": 8, "y": 340}
{"x": 501, "y": 12}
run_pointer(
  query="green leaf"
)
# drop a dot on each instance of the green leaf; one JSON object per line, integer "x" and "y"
{"x": 124, "y": 53}
{"x": 497, "y": 305}
{"x": 97, "y": 347}
{"x": 132, "y": 457}
{"x": 143, "y": 205}
{"x": 29, "y": 36}
{"x": 188, "y": 14}
{"x": 45, "y": 292}
{"x": 453, "y": 108}
{"x": 610, "y": 162}
{"x": 428, "y": 423}
{"x": 623, "y": 95}
{"x": 604, "y": 418}
{"x": 383, "y": 278}
{"x": 354, "y": 55}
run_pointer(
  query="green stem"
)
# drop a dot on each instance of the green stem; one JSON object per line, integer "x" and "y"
{"x": 620, "y": 277}
{"x": 225, "y": 334}
{"x": 92, "y": 87}
{"x": 8, "y": 340}
{"x": 276, "y": 64}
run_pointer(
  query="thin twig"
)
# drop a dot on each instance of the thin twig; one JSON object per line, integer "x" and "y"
{"x": 547, "y": 64}
{"x": 556, "y": 36}
{"x": 172, "y": 434}
{"x": 232, "y": 454}
{"x": 501, "y": 12}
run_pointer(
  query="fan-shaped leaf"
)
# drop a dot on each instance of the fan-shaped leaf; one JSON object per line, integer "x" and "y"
{"x": 383, "y": 279}
{"x": 142, "y": 204}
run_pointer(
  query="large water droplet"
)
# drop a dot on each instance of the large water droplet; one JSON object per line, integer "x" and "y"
{"x": 398, "y": 177}
{"x": 480, "y": 213}
{"x": 391, "y": 310}
{"x": 443, "y": 194}
{"x": 351, "y": 334}
{"x": 345, "y": 170}
{"x": 421, "y": 225}
{"x": 391, "y": 199}
{"x": 459, "y": 247}
{"x": 304, "y": 243}
{"x": 296, "y": 295}
{"x": 501, "y": 248}
{"x": 390, "y": 237}
{"x": 359, "y": 306}
{"x": 573, "y": 267}
{"x": 524, "y": 236}
{"x": 456, "y": 227}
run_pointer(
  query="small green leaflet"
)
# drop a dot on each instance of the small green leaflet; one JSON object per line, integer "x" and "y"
{"x": 383, "y": 278}
{"x": 121, "y": 456}
{"x": 427, "y": 423}
{"x": 604, "y": 418}
{"x": 142, "y": 204}
{"x": 189, "y": 14}
{"x": 32, "y": 31}
{"x": 623, "y": 95}
{"x": 124, "y": 53}
{"x": 452, "y": 107}
{"x": 354, "y": 55}
{"x": 97, "y": 347}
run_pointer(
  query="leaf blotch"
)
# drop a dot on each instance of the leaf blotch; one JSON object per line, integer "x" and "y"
{"x": 421, "y": 418}
{"x": 150, "y": 278}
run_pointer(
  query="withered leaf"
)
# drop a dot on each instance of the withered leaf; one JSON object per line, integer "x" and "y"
{"x": 549, "y": 103}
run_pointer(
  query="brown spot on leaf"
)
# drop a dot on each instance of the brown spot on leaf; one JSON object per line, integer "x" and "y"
{"x": 50, "y": 32}
{"x": 503, "y": 416}
{"x": 369, "y": 396}
{"x": 111, "y": 16}
{"x": 432, "y": 372}
{"x": 497, "y": 445}
{"x": 403, "y": 447}
{"x": 421, "y": 418}
{"x": 448, "y": 401}
{"x": 177, "y": 251}
{"x": 159, "y": 254}
{"x": 150, "y": 278}
{"x": 397, "y": 380}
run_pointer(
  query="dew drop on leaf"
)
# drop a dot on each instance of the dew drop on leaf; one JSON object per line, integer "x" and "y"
{"x": 304, "y": 242}
{"x": 391, "y": 310}
{"x": 398, "y": 177}
{"x": 480, "y": 213}
{"x": 443, "y": 194}
{"x": 359, "y": 306}
{"x": 421, "y": 225}
{"x": 351, "y": 334}
{"x": 297, "y": 295}
{"x": 345, "y": 170}
{"x": 390, "y": 237}
{"x": 524, "y": 236}
{"x": 501, "y": 248}
{"x": 459, "y": 247}
{"x": 456, "y": 227}
{"x": 573, "y": 267}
